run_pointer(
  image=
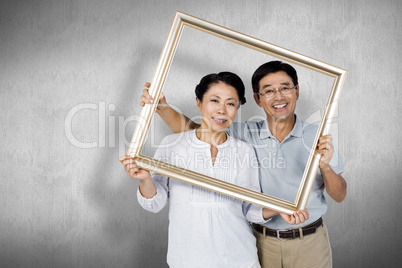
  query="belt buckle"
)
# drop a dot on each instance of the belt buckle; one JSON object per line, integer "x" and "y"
{"x": 278, "y": 236}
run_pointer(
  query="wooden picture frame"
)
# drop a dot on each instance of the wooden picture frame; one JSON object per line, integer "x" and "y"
{"x": 182, "y": 20}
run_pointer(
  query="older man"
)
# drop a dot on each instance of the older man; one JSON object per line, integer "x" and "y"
{"x": 282, "y": 144}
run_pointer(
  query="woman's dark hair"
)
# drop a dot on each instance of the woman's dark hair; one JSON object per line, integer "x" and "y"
{"x": 272, "y": 67}
{"x": 228, "y": 78}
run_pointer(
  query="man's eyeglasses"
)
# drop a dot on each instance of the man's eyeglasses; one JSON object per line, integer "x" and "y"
{"x": 269, "y": 93}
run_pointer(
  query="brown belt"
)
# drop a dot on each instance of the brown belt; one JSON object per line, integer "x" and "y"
{"x": 289, "y": 234}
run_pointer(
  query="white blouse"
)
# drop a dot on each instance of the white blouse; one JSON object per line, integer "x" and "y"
{"x": 207, "y": 229}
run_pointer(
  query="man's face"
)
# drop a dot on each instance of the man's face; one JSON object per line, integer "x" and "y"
{"x": 280, "y": 107}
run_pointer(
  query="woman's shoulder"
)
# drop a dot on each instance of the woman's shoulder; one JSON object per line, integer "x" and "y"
{"x": 175, "y": 138}
{"x": 182, "y": 139}
{"x": 177, "y": 143}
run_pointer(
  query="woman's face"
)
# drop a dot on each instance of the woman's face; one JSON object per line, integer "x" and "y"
{"x": 218, "y": 107}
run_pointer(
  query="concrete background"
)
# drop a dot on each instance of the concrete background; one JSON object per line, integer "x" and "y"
{"x": 71, "y": 75}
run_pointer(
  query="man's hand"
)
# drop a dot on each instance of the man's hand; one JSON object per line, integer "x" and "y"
{"x": 177, "y": 122}
{"x": 326, "y": 149}
{"x": 147, "y": 99}
{"x": 296, "y": 218}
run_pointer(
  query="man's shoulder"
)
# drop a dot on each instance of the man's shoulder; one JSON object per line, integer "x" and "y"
{"x": 238, "y": 143}
{"x": 309, "y": 128}
{"x": 306, "y": 131}
{"x": 252, "y": 123}
{"x": 245, "y": 130}
{"x": 244, "y": 125}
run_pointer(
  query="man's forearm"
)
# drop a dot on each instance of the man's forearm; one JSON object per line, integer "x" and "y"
{"x": 335, "y": 184}
{"x": 176, "y": 121}
{"x": 268, "y": 213}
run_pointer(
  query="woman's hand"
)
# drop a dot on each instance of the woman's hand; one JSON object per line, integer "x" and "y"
{"x": 147, "y": 187}
{"x": 296, "y": 218}
{"x": 132, "y": 169}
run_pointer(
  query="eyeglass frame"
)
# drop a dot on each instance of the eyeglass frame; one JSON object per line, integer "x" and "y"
{"x": 275, "y": 91}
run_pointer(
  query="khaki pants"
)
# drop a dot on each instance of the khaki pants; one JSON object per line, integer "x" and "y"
{"x": 309, "y": 251}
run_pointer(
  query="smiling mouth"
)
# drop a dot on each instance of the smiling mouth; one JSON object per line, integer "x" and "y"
{"x": 280, "y": 106}
{"x": 220, "y": 121}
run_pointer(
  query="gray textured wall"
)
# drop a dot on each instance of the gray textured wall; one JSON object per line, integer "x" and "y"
{"x": 71, "y": 73}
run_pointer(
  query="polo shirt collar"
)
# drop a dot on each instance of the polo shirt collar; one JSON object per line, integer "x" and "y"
{"x": 264, "y": 130}
{"x": 297, "y": 130}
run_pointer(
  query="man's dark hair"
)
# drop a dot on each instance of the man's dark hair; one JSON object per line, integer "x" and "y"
{"x": 272, "y": 67}
{"x": 228, "y": 78}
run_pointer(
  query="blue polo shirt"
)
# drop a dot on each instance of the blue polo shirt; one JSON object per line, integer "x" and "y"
{"x": 282, "y": 164}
